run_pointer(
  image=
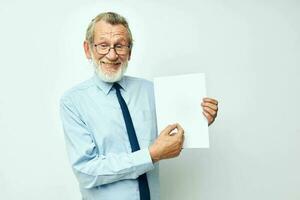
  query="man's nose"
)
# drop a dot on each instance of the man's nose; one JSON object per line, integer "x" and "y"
{"x": 112, "y": 55}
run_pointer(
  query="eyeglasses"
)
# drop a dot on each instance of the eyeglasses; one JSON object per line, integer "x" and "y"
{"x": 119, "y": 49}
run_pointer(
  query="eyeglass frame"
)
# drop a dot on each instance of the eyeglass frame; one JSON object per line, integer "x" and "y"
{"x": 112, "y": 47}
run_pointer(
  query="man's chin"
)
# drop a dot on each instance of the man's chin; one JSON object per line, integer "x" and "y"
{"x": 111, "y": 77}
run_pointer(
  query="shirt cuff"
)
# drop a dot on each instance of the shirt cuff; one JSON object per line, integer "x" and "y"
{"x": 142, "y": 161}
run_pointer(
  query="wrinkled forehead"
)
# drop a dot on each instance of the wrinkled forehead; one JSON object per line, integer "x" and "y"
{"x": 104, "y": 30}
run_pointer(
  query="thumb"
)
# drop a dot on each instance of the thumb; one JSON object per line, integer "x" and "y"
{"x": 168, "y": 129}
{"x": 180, "y": 129}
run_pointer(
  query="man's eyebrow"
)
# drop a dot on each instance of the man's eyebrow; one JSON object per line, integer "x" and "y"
{"x": 121, "y": 40}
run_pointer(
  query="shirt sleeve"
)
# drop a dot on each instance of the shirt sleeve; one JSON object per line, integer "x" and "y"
{"x": 90, "y": 168}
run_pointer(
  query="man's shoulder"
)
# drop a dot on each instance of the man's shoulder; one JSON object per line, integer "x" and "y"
{"x": 78, "y": 88}
{"x": 139, "y": 81}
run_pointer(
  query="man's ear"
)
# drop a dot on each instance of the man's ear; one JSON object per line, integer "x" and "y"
{"x": 87, "y": 50}
{"x": 129, "y": 55}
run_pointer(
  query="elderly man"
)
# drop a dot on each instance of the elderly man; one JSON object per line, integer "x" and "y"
{"x": 110, "y": 124}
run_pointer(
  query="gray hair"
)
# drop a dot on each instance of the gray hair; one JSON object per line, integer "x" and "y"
{"x": 111, "y": 18}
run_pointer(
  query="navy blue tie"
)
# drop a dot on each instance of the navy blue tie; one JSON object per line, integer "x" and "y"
{"x": 142, "y": 179}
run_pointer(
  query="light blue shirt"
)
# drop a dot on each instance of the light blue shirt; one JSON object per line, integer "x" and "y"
{"x": 97, "y": 142}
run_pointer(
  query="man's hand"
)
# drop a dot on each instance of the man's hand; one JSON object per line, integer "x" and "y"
{"x": 210, "y": 109}
{"x": 168, "y": 144}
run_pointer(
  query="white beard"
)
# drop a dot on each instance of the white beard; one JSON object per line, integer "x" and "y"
{"x": 109, "y": 77}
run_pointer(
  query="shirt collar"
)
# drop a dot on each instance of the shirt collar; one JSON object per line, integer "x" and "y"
{"x": 106, "y": 87}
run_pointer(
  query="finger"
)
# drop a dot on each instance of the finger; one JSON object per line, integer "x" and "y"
{"x": 210, "y": 111}
{"x": 179, "y": 128}
{"x": 182, "y": 140}
{"x": 180, "y": 131}
{"x": 211, "y": 100}
{"x": 210, "y": 105}
{"x": 209, "y": 118}
{"x": 168, "y": 129}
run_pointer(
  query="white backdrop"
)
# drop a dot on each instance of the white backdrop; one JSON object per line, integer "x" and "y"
{"x": 249, "y": 50}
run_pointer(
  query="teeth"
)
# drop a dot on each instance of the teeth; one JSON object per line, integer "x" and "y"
{"x": 110, "y": 63}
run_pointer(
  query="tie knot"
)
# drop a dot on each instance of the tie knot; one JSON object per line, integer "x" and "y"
{"x": 117, "y": 86}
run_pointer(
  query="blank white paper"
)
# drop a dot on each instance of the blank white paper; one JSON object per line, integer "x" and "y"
{"x": 178, "y": 100}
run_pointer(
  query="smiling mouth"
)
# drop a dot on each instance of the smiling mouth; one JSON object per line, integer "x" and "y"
{"x": 110, "y": 63}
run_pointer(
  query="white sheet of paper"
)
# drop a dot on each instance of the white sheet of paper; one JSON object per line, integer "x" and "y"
{"x": 178, "y": 99}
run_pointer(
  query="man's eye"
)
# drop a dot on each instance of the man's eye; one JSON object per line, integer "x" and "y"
{"x": 103, "y": 46}
{"x": 119, "y": 46}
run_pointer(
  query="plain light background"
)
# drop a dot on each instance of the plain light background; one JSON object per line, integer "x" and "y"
{"x": 249, "y": 51}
